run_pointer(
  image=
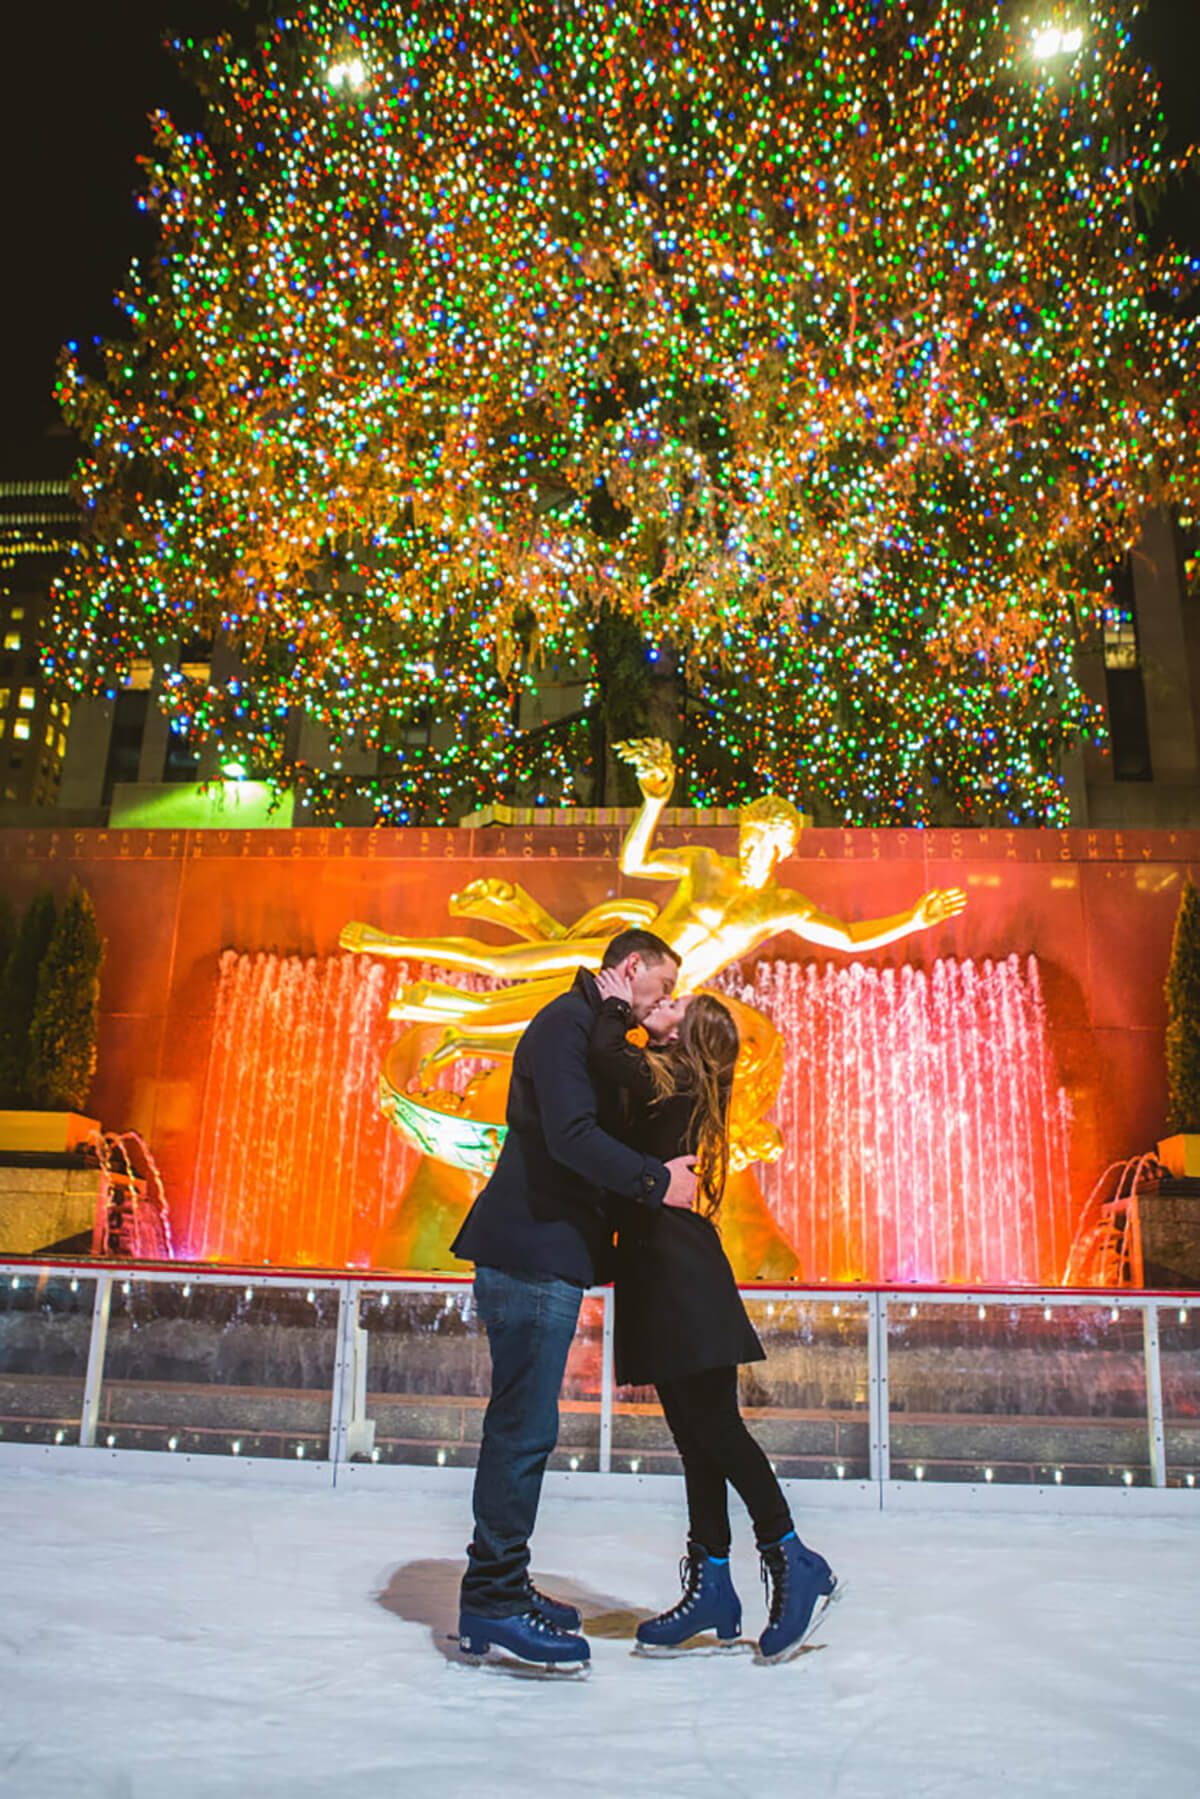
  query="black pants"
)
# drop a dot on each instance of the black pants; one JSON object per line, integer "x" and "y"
{"x": 716, "y": 1448}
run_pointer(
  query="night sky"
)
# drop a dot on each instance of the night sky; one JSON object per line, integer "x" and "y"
{"x": 82, "y": 78}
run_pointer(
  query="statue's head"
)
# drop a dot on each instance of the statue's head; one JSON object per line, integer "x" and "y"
{"x": 767, "y": 832}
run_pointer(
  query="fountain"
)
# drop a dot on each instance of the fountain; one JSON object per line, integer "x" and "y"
{"x": 925, "y": 1132}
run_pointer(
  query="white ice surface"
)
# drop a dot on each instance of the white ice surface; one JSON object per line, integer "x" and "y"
{"x": 176, "y": 1641}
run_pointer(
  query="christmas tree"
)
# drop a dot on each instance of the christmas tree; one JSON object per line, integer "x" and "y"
{"x": 818, "y": 348}
{"x": 1182, "y": 991}
{"x": 62, "y": 1035}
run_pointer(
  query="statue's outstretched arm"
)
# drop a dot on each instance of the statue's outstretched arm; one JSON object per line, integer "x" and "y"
{"x": 808, "y": 921}
{"x": 507, "y": 961}
{"x": 652, "y": 760}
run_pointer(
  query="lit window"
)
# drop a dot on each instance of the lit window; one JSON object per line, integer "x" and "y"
{"x": 27, "y": 700}
{"x": 12, "y": 640}
{"x": 16, "y": 613}
{"x": 21, "y": 728}
{"x": 50, "y": 733}
{"x": 3, "y": 726}
{"x": 66, "y": 715}
{"x": 62, "y": 744}
{"x": 1120, "y": 639}
{"x": 5, "y": 696}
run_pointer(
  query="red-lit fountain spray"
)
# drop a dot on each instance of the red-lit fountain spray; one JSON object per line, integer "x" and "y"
{"x": 925, "y": 1132}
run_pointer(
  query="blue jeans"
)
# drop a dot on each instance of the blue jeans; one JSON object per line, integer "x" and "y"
{"x": 530, "y": 1321}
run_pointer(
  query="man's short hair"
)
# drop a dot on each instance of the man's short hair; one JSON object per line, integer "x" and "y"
{"x": 636, "y": 942}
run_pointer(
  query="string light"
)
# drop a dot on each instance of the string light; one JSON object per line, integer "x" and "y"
{"x": 821, "y": 344}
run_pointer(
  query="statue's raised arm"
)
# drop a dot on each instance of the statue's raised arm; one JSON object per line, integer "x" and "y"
{"x": 653, "y": 762}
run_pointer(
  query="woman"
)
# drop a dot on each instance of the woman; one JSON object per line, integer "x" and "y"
{"x": 681, "y": 1325}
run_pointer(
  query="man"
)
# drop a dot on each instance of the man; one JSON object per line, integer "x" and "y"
{"x": 539, "y": 1234}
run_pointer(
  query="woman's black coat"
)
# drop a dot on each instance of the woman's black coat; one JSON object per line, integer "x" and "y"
{"x": 678, "y": 1310}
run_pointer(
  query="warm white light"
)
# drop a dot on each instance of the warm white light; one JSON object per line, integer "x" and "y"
{"x": 912, "y": 1311}
{"x": 312, "y": 1297}
{"x": 987, "y": 1474}
{"x": 1054, "y": 40}
{"x": 300, "y": 1452}
{"x": 841, "y": 1470}
{"x": 1127, "y": 1478}
{"x": 236, "y": 1446}
{"x": 1047, "y": 1314}
{"x": 172, "y": 1443}
{"x": 187, "y": 1290}
{"x": 1058, "y": 1477}
{"x": 249, "y": 1292}
{"x": 441, "y": 1458}
{"x": 385, "y": 1299}
{"x": 918, "y": 1473}
{"x": 574, "y": 1463}
{"x": 74, "y": 1286}
{"x": 350, "y": 73}
{"x": 374, "y": 1455}
{"x": 1183, "y": 1314}
{"x": 983, "y": 1311}
{"x": 15, "y": 1282}
{"x": 234, "y": 771}
{"x": 111, "y": 1441}
{"x": 1116, "y": 1313}
{"x": 635, "y": 1464}
{"x": 59, "y": 1435}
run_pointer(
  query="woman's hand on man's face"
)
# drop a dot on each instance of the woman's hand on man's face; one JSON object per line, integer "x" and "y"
{"x": 614, "y": 983}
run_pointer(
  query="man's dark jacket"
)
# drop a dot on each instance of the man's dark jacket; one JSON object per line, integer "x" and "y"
{"x": 543, "y": 1210}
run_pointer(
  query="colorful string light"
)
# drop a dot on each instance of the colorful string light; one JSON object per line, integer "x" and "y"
{"x": 823, "y": 341}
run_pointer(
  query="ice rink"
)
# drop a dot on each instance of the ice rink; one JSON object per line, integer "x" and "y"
{"x": 181, "y": 1639}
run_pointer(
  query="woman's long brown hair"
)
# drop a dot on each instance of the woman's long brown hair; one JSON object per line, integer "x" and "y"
{"x": 702, "y": 1062}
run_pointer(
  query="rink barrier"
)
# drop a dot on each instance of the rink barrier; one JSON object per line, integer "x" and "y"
{"x": 1064, "y": 1399}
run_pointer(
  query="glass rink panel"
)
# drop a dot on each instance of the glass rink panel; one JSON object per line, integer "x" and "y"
{"x": 1041, "y": 1394}
{"x": 45, "y": 1329}
{"x": 1179, "y": 1361}
{"x": 807, "y": 1404}
{"x": 428, "y": 1376}
{"x": 205, "y": 1368}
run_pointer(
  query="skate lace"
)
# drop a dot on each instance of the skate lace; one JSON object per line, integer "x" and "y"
{"x": 689, "y": 1580}
{"x": 775, "y": 1580}
{"x": 542, "y": 1626}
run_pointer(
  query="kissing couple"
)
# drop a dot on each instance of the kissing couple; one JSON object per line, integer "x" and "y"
{"x": 609, "y": 1141}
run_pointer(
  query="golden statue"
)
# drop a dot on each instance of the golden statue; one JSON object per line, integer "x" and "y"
{"x": 722, "y": 908}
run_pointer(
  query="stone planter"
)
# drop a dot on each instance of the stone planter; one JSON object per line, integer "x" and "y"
{"x": 1169, "y": 1217}
{"x": 44, "y": 1133}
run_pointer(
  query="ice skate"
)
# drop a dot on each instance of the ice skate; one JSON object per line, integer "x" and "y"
{"x": 526, "y": 1640}
{"x": 801, "y": 1586}
{"x": 709, "y": 1604}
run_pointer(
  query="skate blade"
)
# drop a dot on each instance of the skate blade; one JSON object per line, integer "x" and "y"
{"x": 804, "y": 1645}
{"x": 699, "y": 1645}
{"x": 514, "y": 1667}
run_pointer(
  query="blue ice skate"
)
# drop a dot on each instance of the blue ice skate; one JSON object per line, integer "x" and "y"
{"x": 554, "y": 1611}
{"x": 795, "y": 1579}
{"x": 527, "y": 1636}
{"x": 708, "y": 1603}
